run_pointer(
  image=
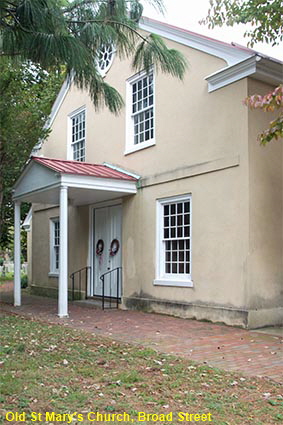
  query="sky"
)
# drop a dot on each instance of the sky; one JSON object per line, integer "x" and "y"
{"x": 187, "y": 13}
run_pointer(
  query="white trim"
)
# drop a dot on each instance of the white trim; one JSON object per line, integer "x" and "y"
{"x": 163, "y": 278}
{"x": 130, "y": 147}
{"x": 91, "y": 260}
{"x": 255, "y": 66}
{"x": 63, "y": 255}
{"x": 26, "y": 226}
{"x": 53, "y": 272}
{"x": 140, "y": 147}
{"x": 58, "y": 101}
{"x": 17, "y": 254}
{"x": 90, "y": 250}
{"x": 69, "y": 131}
{"x": 54, "y": 111}
{"x": 90, "y": 182}
{"x": 103, "y": 72}
{"x": 222, "y": 50}
{"x": 121, "y": 170}
{"x": 174, "y": 282}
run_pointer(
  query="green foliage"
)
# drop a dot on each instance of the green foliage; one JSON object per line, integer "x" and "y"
{"x": 265, "y": 16}
{"x": 24, "y": 281}
{"x": 66, "y": 370}
{"x": 70, "y": 33}
{"x": 27, "y": 94}
{"x": 63, "y": 36}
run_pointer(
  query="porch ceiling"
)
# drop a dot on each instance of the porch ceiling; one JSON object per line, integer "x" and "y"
{"x": 42, "y": 178}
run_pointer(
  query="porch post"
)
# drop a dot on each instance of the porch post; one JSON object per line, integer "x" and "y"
{"x": 63, "y": 254}
{"x": 17, "y": 253}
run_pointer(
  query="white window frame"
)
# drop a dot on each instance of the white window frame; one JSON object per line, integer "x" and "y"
{"x": 111, "y": 51}
{"x": 54, "y": 271}
{"x": 163, "y": 278}
{"x": 70, "y": 144}
{"x": 130, "y": 145}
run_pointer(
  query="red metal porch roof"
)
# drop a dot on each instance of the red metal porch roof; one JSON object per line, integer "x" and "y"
{"x": 82, "y": 168}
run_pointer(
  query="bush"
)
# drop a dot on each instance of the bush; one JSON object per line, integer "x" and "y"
{"x": 24, "y": 281}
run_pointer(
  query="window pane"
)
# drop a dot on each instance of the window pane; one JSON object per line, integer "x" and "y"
{"x": 78, "y": 136}
{"x": 176, "y": 231}
{"x": 187, "y": 206}
{"x": 186, "y": 219}
{"x": 142, "y": 104}
{"x": 179, "y": 220}
{"x": 187, "y": 231}
{"x": 174, "y": 267}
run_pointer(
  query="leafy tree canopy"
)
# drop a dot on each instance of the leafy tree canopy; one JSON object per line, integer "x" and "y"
{"x": 66, "y": 36}
{"x": 266, "y": 19}
{"x": 70, "y": 33}
{"x": 27, "y": 94}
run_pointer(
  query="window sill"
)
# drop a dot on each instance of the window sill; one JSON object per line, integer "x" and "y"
{"x": 140, "y": 146}
{"x": 53, "y": 274}
{"x": 184, "y": 283}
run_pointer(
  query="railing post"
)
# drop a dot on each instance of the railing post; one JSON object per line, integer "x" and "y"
{"x": 73, "y": 286}
{"x": 86, "y": 276}
{"x": 102, "y": 278}
{"x": 118, "y": 275}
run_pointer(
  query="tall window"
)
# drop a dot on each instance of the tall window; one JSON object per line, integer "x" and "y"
{"x": 54, "y": 245}
{"x": 78, "y": 136}
{"x": 174, "y": 241}
{"x": 140, "y": 116}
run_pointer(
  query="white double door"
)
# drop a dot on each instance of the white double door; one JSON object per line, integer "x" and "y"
{"x": 107, "y": 250}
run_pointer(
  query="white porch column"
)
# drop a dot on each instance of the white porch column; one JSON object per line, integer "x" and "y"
{"x": 17, "y": 253}
{"x": 63, "y": 254}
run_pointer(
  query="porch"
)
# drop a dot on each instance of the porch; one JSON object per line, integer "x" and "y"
{"x": 63, "y": 183}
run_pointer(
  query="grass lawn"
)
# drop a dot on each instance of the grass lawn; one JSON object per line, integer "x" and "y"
{"x": 48, "y": 368}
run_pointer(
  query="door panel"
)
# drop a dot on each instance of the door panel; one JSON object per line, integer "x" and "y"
{"x": 107, "y": 227}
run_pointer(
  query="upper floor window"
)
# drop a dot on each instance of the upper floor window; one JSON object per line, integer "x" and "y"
{"x": 105, "y": 58}
{"x": 78, "y": 136}
{"x": 140, "y": 112}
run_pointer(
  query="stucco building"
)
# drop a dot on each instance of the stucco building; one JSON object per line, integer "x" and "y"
{"x": 175, "y": 194}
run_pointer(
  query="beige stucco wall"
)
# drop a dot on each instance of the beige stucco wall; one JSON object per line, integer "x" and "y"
{"x": 77, "y": 245}
{"x": 205, "y": 146}
{"x": 265, "y": 260}
{"x": 188, "y": 120}
{"x": 218, "y": 245}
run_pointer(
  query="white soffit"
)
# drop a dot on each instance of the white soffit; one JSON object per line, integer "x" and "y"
{"x": 256, "y": 66}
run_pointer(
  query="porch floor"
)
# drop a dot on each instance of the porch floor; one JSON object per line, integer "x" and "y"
{"x": 253, "y": 353}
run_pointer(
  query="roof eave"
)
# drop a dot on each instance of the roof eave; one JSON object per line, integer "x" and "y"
{"x": 258, "y": 67}
{"x": 231, "y": 54}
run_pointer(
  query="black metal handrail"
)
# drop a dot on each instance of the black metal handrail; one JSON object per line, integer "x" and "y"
{"x": 79, "y": 272}
{"x": 111, "y": 297}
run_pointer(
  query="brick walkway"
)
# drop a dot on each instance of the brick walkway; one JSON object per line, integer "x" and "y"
{"x": 234, "y": 349}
